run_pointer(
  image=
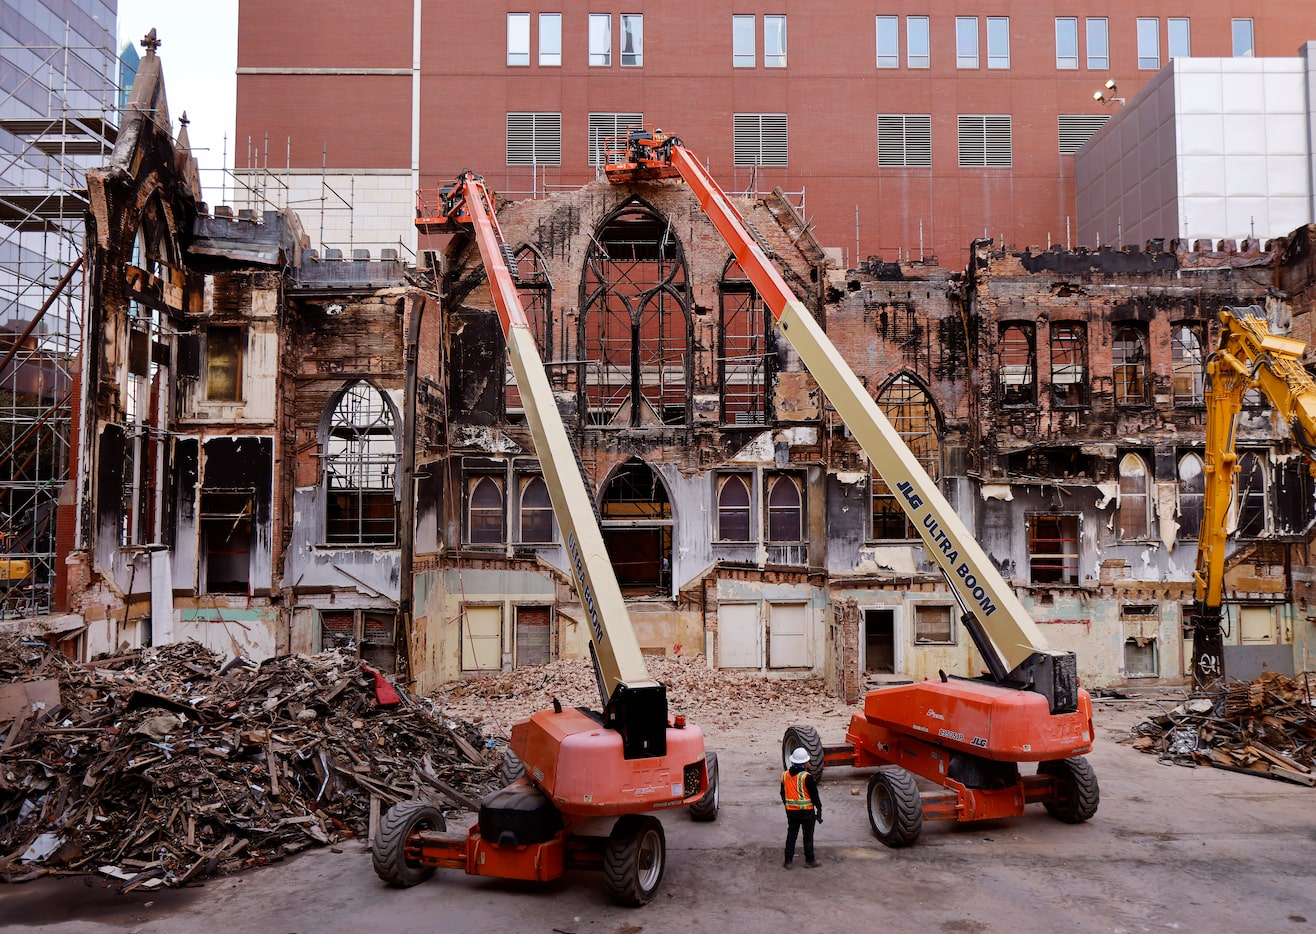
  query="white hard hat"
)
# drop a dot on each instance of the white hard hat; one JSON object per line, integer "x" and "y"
{"x": 799, "y": 756}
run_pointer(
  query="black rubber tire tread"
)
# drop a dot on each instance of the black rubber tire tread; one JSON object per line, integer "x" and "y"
{"x": 807, "y": 737}
{"x": 621, "y": 859}
{"x": 512, "y": 767}
{"x": 705, "y": 809}
{"x": 1078, "y": 794}
{"x": 900, "y": 792}
{"x": 388, "y": 849}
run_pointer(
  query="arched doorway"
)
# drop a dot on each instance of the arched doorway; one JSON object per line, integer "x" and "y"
{"x": 637, "y": 527}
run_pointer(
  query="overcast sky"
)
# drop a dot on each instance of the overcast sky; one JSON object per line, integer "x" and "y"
{"x": 199, "y": 55}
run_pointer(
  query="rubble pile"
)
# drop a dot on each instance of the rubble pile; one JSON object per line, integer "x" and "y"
{"x": 707, "y": 697}
{"x": 1264, "y": 727}
{"x": 168, "y": 765}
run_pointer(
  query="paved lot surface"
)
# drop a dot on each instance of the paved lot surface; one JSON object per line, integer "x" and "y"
{"x": 1170, "y": 849}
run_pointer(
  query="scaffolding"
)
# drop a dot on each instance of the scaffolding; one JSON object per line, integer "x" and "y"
{"x": 58, "y": 118}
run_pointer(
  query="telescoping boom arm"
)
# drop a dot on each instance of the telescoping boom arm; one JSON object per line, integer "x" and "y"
{"x": 1010, "y": 641}
{"x": 1247, "y": 356}
{"x": 633, "y": 702}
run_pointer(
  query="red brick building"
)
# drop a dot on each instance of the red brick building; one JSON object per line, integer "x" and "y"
{"x": 906, "y": 129}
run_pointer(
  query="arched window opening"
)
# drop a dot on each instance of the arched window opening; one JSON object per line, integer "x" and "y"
{"x": 1134, "y": 499}
{"x": 535, "y": 290}
{"x": 536, "y": 511}
{"x": 484, "y": 511}
{"x": 913, "y": 415}
{"x": 360, "y": 464}
{"x": 743, "y": 360}
{"x": 635, "y": 325}
{"x": 733, "y": 510}
{"x": 786, "y": 544}
{"x": 1192, "y": 490}
{"x": 1018, "y": 373}
{"x": 1069, "y": 370}
{"x": 637, "y": 527}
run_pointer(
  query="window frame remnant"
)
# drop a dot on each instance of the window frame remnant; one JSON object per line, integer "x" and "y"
{"x": 1069, "y": 369}
{"x": 1053, "y": 548}
{"x": 1017, "y": 372}
{"x": 1129, "y": 361}
{"x": 913, "y": 413}
{"x": 1133, "y": 511}
{"x": 226, "y": 345}
{"x": 745, "y": 357}
{"x": 1251, "y": 498}
{"x": 535, "y": 289}
{"x": 1190, "y": 488}
{"x": 1188, "y": 364}
{"x": 360, "y": 468}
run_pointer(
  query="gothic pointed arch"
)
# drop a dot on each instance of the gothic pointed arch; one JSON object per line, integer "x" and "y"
{"x": 360, "y": 446}
{"x": 635, "y": 323}
{"x": 744, "y": 355}
{"x": 908, "y": 405}
{"x": 636, "y": 511}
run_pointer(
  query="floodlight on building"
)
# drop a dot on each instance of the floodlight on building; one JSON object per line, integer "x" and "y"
{"x": 1106, "y": 95}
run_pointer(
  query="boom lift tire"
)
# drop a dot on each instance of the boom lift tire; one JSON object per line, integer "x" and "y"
{"x": 808, "y": 738}
{"x": 388, "y": 851}
{"x": 1077, "y": 792}
{"x": 705, "y": 809}
{"x": 895, "y": 808}
{"x": 512, "y": 768}
{"x": 634, "y": 858}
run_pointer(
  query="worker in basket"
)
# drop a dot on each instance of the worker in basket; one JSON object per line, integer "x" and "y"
{"x": 799, "y": 792}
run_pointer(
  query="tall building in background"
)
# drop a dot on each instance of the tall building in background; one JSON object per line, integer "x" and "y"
{"x": 58, "y": 91}
{"x": 900, "y": 132}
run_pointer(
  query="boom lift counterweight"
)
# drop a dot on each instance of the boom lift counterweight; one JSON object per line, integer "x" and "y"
{"x": 578, "y": 764}
{"x": 967, "y": 735}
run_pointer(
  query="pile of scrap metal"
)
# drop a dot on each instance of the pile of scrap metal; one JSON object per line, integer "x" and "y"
{"x": 1262, "y": 727}
{"x": 164, "y": 766}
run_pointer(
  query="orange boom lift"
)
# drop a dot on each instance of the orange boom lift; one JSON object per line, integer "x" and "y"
{"x": 967, "y": 735}
{"x": 579, "y": 765}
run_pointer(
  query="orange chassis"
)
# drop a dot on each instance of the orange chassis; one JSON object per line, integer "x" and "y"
{"x": 968, "y": 737}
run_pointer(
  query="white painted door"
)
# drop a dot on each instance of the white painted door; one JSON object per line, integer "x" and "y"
{"x": 1256, "y": 625}
{"x": 788, "y": 635}
{"x": 739, "y": 636}
{"x": 482, "y": 638}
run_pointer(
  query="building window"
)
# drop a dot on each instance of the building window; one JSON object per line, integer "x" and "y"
{"x": 604, "y": 127}
{"x": 985, "y": 141}
{"x": 1188, "y": 364}
{"x": 760, "y": 139}
{"x": 1129, "y": 358}
{"x": 742, "y": 42}
{"x": 918, "y": 41}
{"x": 904, "y": 140}
{"x": 998, "y": 42}
{"x": 536, "y": 511}
{"x": 224, "y": 346}
{"x": 535, "y": 290}
{"x": 1134, "y": 498}
{"x": 912, "y": 413}
{"x": 636, "y": 325}
{"x": 484, "y": 510}
{"x": 1140, "y": 657}
{"x": 734, "y": 518}
{"x": 1192, "y": 491}
{"x": 966, "y": 42}
{"x": 637, "y": 526}
{"x": 632, "y": 40}
{"x": 1069, "y": 370}
{"x": 360, "y": 467}
{"x": 1053, "y": 549}
{"x": 518, "y": 38}
{"x": 1244, "y": 46}
{"x": 1076, "y": 129}
{"x": 534, "y": 139}
{"x": 1066, "y": 42}
{"x": 774, "y": 42}
{"x": 743, "y": 361}
{"x": 1018, "y": 372}
{"x": 1292, "y": 497}
{"x": 786, "y": 544}
{"x": 1178, "y": 34}
{"x": 933, "y": 625}
{"x": 550, "y": 39}
{"x": 600, "y": 38}
{"x": 481, "y": 638}
{"x": 888, "y": 42}
{"x": 1149, "y": 43}
{"x": 1251, "y": 503}
{"x": 1098, "y": 29}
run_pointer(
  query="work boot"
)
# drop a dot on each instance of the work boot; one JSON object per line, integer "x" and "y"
{"x": 787, "y": 865}
{"x": 810, "y": 864}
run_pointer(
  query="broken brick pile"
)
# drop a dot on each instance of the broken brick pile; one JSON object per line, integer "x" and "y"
{"x": 1262, "y": 727}
{"x": 707, "y": 697}
{"x": 164, "y": 766}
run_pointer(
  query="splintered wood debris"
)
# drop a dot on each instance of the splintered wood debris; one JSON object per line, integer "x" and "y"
{"x": 164, "y": 766}
{"x": 1262, "y": 727}
{"x": 707, "y": 697}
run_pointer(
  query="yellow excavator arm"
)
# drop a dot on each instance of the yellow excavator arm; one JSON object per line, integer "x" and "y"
{"x": 1247, "y": 356}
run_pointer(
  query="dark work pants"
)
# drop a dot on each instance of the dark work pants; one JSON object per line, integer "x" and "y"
{"x": 794, "y": 821}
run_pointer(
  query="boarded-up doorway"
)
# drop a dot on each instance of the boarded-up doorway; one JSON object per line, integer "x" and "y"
{"x": 739, "y": 636}
{"x": 788, "y": 635}
{"x": 880, "y": 641}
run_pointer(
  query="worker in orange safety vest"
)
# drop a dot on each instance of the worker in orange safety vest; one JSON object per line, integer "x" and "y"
{"x": 799, "y": 792}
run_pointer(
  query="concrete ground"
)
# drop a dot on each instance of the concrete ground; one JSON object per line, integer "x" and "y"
{"x": 1170, "y": 849}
